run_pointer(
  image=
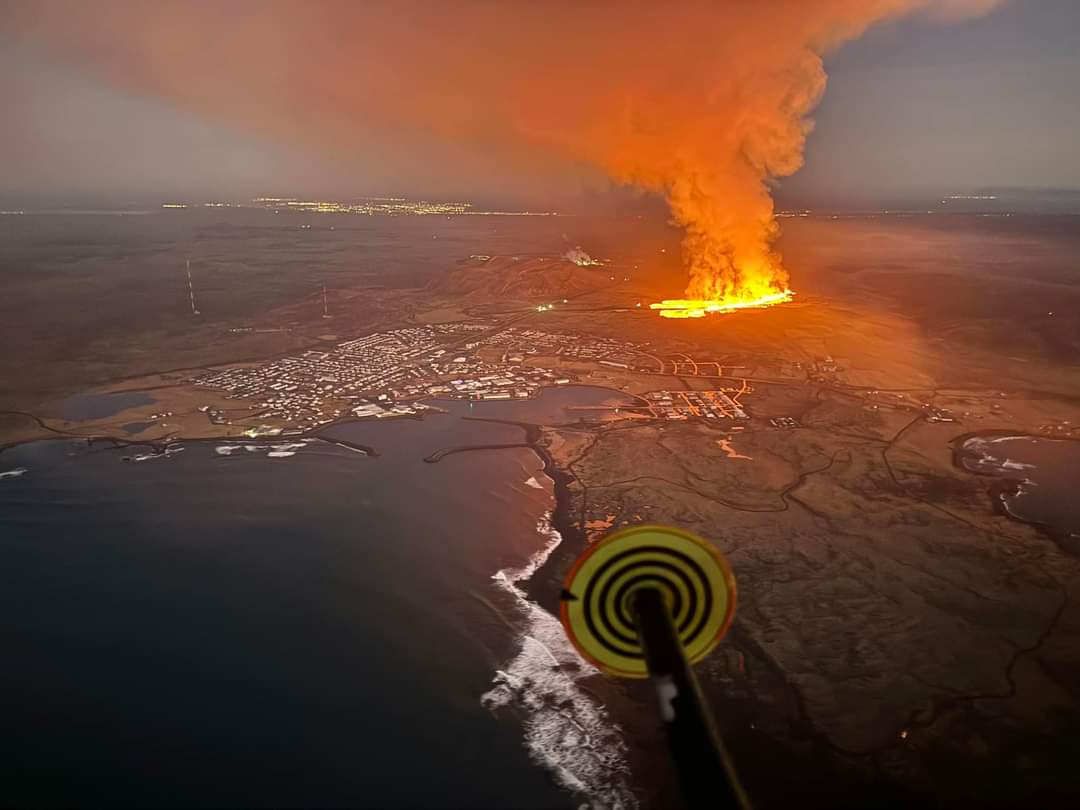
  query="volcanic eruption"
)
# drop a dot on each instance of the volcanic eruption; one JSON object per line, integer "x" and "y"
{"x": 706, "y": 103}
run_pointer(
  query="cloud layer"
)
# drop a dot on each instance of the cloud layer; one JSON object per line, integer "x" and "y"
{"x": 704, "y": 102}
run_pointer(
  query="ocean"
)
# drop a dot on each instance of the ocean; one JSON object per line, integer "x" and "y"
{"x": 294, "y": 623}
{"x": 1040, "y": 476}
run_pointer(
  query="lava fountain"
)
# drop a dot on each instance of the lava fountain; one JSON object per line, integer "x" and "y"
{"x": 728, "y": 253}
{"x": 699, "y": 308}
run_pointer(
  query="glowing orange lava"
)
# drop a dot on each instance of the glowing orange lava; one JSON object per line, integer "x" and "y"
{"x": 689, "y": 308}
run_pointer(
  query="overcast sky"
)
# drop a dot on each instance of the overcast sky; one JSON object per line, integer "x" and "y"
{"x": 912, "y": 107}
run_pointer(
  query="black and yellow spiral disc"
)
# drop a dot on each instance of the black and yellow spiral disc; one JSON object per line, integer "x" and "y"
{"x": 597, "y": 598}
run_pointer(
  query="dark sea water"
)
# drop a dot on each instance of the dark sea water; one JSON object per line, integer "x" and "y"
{"x": 98, "y": 406}
{"x": 1045, "y": 476}
{"x": 298, "y": 624}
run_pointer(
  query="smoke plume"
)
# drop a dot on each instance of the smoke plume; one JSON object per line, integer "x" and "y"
{"x": 704, "y": 102}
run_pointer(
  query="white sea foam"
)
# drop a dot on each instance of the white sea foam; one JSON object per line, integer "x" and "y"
{"x": 980, "y": 446}
{"x": 1009, "y": 464}
{"x": 988, "y": 460}
{"x": 285, "y": 448}
{"x": 13, "y": 473}
{"x": 272, "y": 450}
{"x": 983, "y": 443}
{"x": 168, "y": 452}
{"x": 532, "y": 482}
{"x": 565, "y": 730}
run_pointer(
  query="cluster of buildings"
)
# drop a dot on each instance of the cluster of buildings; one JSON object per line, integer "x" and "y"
{"x": 318, "y": 387}
{"x": 369, "y": 206}
{"x": 1063, "y": 428}
{"x": 390, "y": 373}
{"x": 935, "y": 414}
{"x": 392, "y": 206}
{"x": 686, "y": 404}
{"x": 606, "y": 351}
{"x": 785, "y": 423}
{"x": 467, "y": 377}
{"x": 383, "y": 374}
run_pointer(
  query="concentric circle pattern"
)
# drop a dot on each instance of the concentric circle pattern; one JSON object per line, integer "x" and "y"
{"x": 597, "y": 599}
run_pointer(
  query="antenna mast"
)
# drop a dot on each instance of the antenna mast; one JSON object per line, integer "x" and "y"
{"x": 191, "y": 290}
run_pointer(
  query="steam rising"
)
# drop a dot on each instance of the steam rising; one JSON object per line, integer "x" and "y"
{"x": 703, "y": 102}
{"x": 581, "y": 258}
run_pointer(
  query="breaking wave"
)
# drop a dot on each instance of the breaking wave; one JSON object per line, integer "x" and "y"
{"x": 1009, "y": 464}
{"x": 985, "y": 457}
{"x": 169, "y": 451}
{"x": 13, "y": 473}
{"x": 283, "y": 450}
{"x": 565, "y": 731}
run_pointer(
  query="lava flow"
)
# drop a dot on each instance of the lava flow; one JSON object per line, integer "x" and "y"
{"x": 690, "y": 308}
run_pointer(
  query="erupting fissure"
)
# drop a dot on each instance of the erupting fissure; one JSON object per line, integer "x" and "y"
{"x": 730, "y": 227}
{"x": 699, "y": 308}
{"x": 722, "y": 285}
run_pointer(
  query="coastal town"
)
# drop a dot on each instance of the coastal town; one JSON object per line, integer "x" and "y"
{"x": 391, "y": 373}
